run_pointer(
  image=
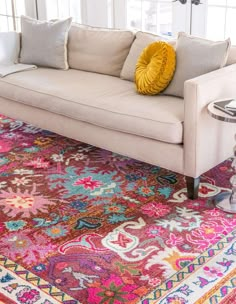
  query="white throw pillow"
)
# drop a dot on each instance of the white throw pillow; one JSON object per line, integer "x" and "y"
{"x": 44, "y": 43}
{"x": 9, "y": 47}
{"x": 98, "y": 50}
{"x": 194, "y": 57}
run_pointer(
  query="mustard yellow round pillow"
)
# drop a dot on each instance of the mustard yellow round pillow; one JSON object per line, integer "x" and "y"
{"x": 155, "y": 68}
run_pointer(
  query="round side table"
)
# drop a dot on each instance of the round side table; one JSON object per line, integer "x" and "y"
{"x": 226, "y": 200}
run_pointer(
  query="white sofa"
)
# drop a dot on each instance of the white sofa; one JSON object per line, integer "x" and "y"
{"x": 105, "y": 111}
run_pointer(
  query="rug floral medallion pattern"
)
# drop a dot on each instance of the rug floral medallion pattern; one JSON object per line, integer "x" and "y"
{"x": 83, "y": 225}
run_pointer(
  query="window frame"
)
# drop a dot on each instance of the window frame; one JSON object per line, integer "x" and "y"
{"x": 30, "y": 10}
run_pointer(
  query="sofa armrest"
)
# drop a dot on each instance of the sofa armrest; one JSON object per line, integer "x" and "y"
{"x": 207, "y": 141}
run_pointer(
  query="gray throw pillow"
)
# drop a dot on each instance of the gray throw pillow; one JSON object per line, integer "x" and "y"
{"x": 44, "y": 43}
{"x": 195, "y": 57}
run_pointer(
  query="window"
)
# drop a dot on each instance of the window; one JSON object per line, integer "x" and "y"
{"x": 10, "y": 10}
{"x": 53, "y": 9}
{"x": 221, "y": 21}
{"x": 213, "y": 19}
{"x": 165, "y": 17}
{"x": 150, "y": 15}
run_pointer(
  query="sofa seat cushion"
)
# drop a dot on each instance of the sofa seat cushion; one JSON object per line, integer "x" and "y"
{"x": 102, "y": 100}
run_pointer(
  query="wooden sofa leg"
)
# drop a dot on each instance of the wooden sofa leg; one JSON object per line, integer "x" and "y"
{"x": 192, "y": 186}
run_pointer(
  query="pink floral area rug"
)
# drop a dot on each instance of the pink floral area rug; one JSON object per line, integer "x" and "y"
{"x": 83, "y": 225}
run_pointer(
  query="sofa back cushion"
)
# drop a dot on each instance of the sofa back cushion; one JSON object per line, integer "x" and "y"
{"x": 142, "y": 40}
{"x": 98, "y": 50}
